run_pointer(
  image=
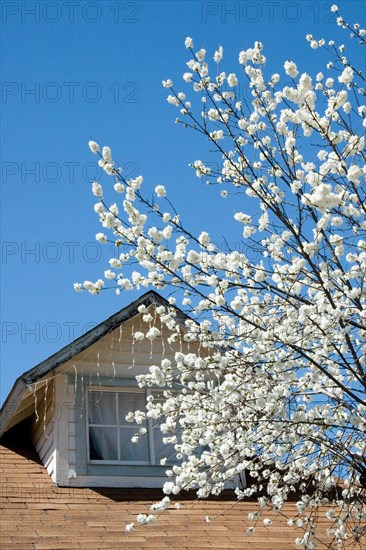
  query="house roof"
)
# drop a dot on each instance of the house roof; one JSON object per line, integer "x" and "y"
{"x": 36, "y": 514}
{"x": 41, "y": 370}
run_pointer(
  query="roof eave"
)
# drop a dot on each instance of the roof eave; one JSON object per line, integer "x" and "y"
{"x": 11, "y": 403}
{"x": 93, "y": 335}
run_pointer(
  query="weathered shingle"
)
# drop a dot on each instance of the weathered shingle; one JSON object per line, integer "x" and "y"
{"x": 36, "y": 514}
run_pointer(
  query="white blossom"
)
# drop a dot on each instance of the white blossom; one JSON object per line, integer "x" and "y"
{"x": 119, "y": 187}
{"x": 93, "y": 146}
{"x": 167, "y": 83}
{"x": 107, "y": 154}
{"x": 101, "y": 238}
{"x": 173, "y": 100}
{"x": 219, "y": 54}
{"x": 291, "y": 69}
{"x": 346, "y": 76}
{"x": 160, "y": 191}
{"x": 232, "y": 80}
{"x": 187, "y": 77}
{"x": 188, "y": 42}
{"x": 152, "y": 333}
{"x": 201, "y": 54}
{"x": 97, "y": 189}
{"x": 354, "y": 173}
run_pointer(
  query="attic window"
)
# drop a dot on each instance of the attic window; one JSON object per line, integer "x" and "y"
{"x": 109, "y": 433}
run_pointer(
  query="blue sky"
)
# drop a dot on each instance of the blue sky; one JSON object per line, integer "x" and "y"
{"x": 79, "y": 70}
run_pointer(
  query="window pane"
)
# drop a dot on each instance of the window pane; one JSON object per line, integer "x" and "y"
{"x": 103, "y": 443}
{"x": 163, "y": 450}
{"x": 134, "y": 452}
{"x": 130, "y": 402}
{"x": 102, "y": 407}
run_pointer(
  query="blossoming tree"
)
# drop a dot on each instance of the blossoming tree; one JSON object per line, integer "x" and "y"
{"x": 279, "y": 390}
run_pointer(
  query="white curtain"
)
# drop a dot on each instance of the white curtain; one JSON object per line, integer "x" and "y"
{"x": 107, "y": 420}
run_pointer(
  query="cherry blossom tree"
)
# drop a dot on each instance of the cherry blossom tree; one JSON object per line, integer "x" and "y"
{"x": 278, "y": 389}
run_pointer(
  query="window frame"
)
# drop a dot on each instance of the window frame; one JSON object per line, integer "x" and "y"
{"x": 150, "y": 426}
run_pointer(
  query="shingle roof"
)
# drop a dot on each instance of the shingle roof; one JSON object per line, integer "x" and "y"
{"x": 36, "y": 514}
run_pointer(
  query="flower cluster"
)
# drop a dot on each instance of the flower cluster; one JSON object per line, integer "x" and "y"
{"x": 273, "y": 380}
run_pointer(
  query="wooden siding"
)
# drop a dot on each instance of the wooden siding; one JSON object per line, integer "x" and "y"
{"x": 43, "y": 427}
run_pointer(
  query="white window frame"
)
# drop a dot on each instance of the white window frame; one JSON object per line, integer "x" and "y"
{"x": 150, "y": 427}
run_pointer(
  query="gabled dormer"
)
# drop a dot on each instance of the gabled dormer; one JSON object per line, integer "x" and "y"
{"x": 77, "y": 401}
